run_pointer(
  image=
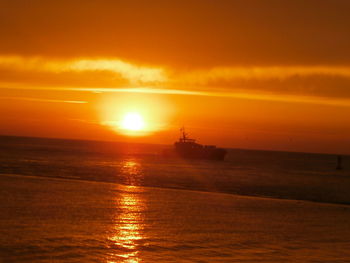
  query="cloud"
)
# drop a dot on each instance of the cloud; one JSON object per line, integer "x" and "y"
{"x": 325, "y": 85}
{"x": 43, "y": 100}
{"x": 131, "y": 72}
{"x": 142, "y": 74}
{"x": 233, "y": 94}
{"x": 128, "y": 71}
{"x": 261, "y": 73}
{"x": 339, "y": 102}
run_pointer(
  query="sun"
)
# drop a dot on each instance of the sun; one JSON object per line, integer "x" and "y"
{"x": 134, "y": 114}
{"x": 133, "y": 121}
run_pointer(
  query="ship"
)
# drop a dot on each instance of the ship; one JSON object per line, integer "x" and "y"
{"x": 188, "y": 148}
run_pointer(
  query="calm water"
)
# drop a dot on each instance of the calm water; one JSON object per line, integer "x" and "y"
{"x": 76, "y": 201}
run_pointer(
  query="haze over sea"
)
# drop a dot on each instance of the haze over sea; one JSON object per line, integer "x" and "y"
{"x": 86, "y": 201}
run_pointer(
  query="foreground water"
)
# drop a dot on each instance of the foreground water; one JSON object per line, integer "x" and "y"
{"x": 56, "y": 205}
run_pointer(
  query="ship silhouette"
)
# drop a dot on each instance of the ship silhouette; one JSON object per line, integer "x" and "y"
{"x": 187, "y": 148}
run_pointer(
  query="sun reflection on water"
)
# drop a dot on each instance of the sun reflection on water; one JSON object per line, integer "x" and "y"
{"x": 129, "y": 224}
{"x": 132, "y": 171}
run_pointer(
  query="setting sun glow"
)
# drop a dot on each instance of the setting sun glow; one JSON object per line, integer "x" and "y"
{"x": 135, "y": 115}
{"x": 133, "y": 122}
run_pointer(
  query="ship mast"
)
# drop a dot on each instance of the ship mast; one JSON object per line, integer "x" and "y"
{"x": 183, "y": 133}
{"x": 183, "y": 137}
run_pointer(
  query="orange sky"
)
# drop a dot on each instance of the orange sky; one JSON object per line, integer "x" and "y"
{"x": 248, "y": 74}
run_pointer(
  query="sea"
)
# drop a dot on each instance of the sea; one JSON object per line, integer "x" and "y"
{"x": 89, "y": 201}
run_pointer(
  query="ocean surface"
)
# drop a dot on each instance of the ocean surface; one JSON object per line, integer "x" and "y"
{"x": 85, "y": 201}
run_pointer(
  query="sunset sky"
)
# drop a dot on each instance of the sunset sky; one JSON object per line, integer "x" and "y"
{"x": 245, "y": 74}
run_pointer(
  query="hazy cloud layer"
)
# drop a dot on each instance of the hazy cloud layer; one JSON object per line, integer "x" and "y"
{"x": 283, "y": 83}
{"x": 268, "y": 48}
